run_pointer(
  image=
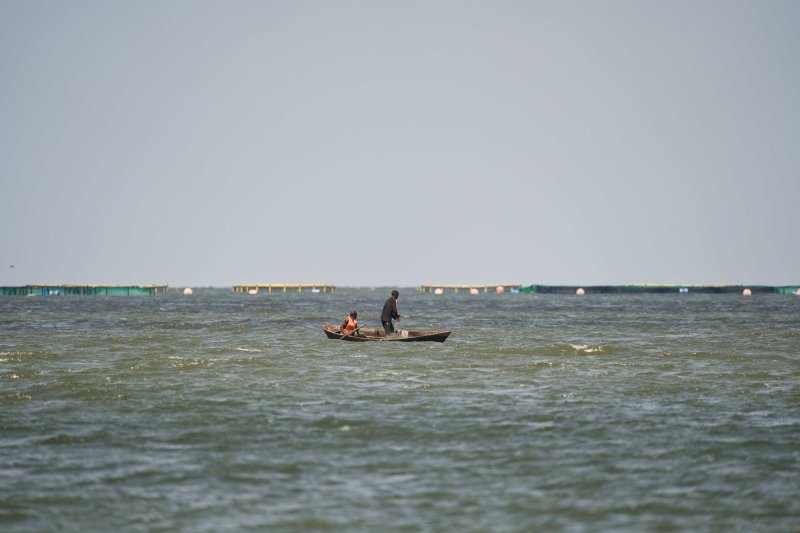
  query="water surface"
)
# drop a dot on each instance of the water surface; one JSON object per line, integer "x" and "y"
{"x": 226, "y": 411}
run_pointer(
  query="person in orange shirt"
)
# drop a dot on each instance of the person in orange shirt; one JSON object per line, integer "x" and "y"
{"x": 350, "y": 324}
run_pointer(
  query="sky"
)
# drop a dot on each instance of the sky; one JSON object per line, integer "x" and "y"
{"x": 379, "y": 143}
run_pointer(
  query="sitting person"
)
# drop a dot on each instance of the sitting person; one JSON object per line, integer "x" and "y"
{"x": 350, "y": 324}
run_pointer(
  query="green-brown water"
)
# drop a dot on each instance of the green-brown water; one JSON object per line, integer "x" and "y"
{"x": 228, "y": 412}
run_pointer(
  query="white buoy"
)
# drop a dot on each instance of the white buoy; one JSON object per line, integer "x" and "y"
{"x": 580, "y": 291}
{"x": 473, "y": 290}
{"x": 500, "y": 289}
{"x": 438, "y": 291}
{"x": 747, "y": 292}
{"x": 187, "y": 291}
{"x": 253, "y": 291}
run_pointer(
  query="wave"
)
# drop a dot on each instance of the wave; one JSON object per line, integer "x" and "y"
{"x": 566, "y": 349}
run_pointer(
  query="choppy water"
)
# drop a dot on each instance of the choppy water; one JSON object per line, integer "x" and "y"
{"x": 225, "y": 411}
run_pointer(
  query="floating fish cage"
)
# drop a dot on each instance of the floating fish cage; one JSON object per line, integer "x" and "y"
{"x": 659, "y": 289}
{"x": 85, "y": 290}
{"x": 497, "y": 287}
{"x": 255, "y": 288}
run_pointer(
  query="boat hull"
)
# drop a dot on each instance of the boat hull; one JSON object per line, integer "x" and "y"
{"x": 378, "y": 335}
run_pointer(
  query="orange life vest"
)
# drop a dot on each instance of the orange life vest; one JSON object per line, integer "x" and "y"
{"x": 351, "y": 325}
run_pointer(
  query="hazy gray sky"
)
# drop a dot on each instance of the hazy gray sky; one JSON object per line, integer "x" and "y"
{"x": 399, "y": 143}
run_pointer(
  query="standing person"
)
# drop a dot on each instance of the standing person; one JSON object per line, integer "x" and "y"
{"x": 390, "y": 312}
{"x": 350, "y": 324}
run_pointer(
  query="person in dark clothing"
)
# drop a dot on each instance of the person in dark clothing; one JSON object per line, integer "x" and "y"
{"x": 390, "y": 312}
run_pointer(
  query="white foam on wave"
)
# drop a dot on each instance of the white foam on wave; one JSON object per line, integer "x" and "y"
{"x": 178, "y": 361}
{"x": 585, "y": 348}
{"x": 248, "y": 350}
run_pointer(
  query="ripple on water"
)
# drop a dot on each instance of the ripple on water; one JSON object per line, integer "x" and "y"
{"x": 538, "y": 413}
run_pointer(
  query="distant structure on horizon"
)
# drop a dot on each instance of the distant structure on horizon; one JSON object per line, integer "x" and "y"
{"x": 85, "y": 290}
{"x": 660, "y": 289}
{"x": 471, "y": 288}
{"x": 253, "y": 288}
{"x": 646, "y": 288}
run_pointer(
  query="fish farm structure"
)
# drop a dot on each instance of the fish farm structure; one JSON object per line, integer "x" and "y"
{"x": 660, "y": 289}
{"x": 468, "y": 288}
{"x": 645, "y": 288}
{"x": 280, "y": 287}
{"x": 83, "y": 290}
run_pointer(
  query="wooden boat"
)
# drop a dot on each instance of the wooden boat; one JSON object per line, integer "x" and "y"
{"x": 377, "y": 334}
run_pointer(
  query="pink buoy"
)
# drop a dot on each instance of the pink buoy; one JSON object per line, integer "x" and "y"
{"x": 187, "y": 291}
{"x": 473, "y": 291}
{"x": 580, "y": 291}
{"x": 500, "y": 289}
{"x": 747, "y": 292}
{"x": 438, "y": 291}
